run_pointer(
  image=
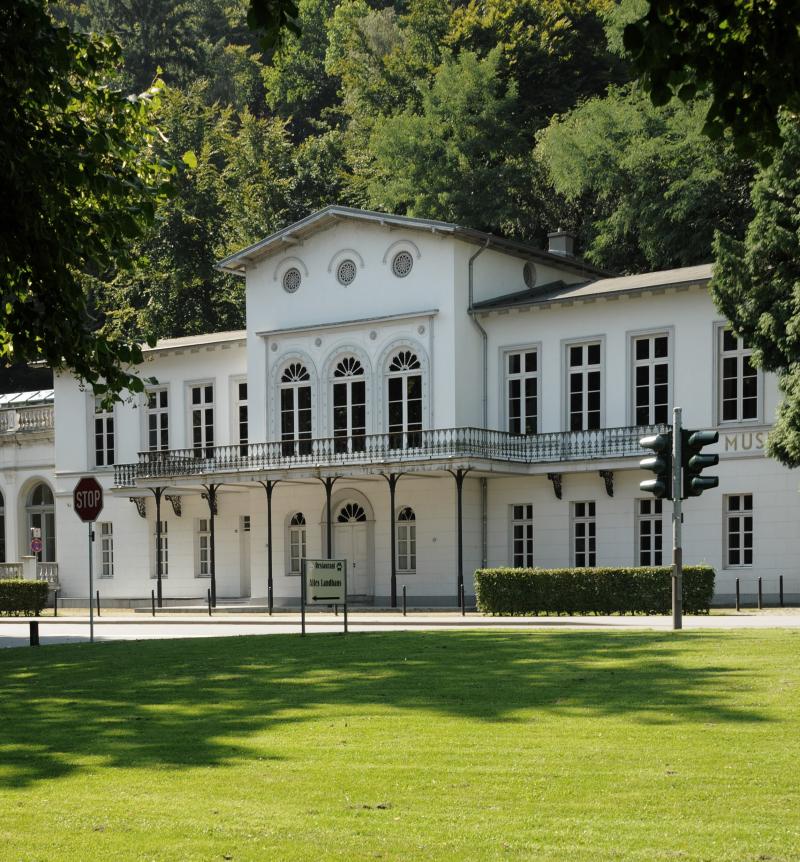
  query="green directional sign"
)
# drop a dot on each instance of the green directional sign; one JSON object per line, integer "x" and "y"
{"x": 660, "y": 463}
{"x": 325, "y": 582}
{"x": 694, "y": 461}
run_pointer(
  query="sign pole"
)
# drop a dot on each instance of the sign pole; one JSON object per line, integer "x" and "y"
{"x": 677, "y": 519}
{"x": 91, "y": 586}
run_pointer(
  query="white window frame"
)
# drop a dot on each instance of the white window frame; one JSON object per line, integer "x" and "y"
{"x": 590, "y": 522}
{"x": 299, "y": 445}
{"x": 164, "y": 551}
{"x": 411, "y": 437}
{"x": 202, "y": 547}
{"x": 651, "y": 518}
{"x": 159, "y": 412}
{"x": 406, "y": 535}
{"x": 740, "y": 514}
{"x": 201, "y": 450}
{"x": 524, "y": 521}
{"x": 741, "y": 352}
{"x": 522, "y": 376}
{"x": 354, "y": 442}
{"x": 104, "y": 416}
{"x": 633, "y": 363}
{"x": 584, "y": 369}
{"x": 237, "y": 402}
{"x": 296, "y": 535}
{"x": 104, "y": 545}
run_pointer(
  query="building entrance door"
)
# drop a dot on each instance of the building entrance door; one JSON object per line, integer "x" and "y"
{"x": 351, "y": 543}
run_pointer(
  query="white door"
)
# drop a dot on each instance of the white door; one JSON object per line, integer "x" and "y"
{"x": 244, "y": 555}
{"x": 350, "y": 543}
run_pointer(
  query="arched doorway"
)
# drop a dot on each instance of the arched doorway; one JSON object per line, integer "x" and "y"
{"x": 41, "y": 514}
{"x": 353, "y": 540}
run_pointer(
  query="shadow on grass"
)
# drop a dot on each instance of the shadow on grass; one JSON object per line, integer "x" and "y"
{"x": 187, "y": 703}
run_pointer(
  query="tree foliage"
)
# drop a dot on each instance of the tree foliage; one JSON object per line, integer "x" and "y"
{"x": 81, "y": 180}
{"x": 746, "y": 52}
{"x": 756, "y": 284}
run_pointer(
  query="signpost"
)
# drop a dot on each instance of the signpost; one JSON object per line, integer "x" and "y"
{"x": 324, "y": 582}
{"x": 87, "y": 500}
{"x": 36, "y": 546}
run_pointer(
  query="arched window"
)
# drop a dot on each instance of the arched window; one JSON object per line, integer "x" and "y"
{"x": 406, "y": 540}
{"x": 295, "y": 388}
{"x": 404, "y": 397}
{"x": 40, "y": 510}
{"x": 2, "y": 529}
{"x": 349, "y": 405}
{"x": 297, "y": 543}
{"x": 351, "y": 513}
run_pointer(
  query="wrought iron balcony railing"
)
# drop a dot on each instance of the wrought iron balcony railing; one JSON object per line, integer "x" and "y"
{"x": 391, "y": 448}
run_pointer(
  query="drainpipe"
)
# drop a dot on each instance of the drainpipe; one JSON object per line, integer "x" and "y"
{"x": 485, "y": 355}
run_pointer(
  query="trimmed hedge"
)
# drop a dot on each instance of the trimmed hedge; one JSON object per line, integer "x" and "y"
{"x": 633, "y": 590}
{"x": 22, "y": 597}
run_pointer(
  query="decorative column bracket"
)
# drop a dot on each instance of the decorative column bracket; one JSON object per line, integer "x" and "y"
{"x": 608, "y": 477}
{"x": 556, "y": 479}
{"x": 141, "y": 505}
{"x": 212, "y": 503}
{"x": 176, "y": 503}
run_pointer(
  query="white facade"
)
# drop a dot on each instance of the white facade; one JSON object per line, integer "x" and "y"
{"x": 379, "y": 347}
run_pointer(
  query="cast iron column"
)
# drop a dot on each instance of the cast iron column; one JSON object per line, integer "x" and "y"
{"x": 392, "y": 480}
{"x": 269, "y": 486}
{"x": 328, "y": 483}
{"x": 157, "y": 492}
{"x": 459, "y": 475}
{"x": 211, "y": 496}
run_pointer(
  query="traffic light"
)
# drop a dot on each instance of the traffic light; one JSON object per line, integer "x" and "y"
{"x": 693, "y": 462}
{"x": 659, "y": 463}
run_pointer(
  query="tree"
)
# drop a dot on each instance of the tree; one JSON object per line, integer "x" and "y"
{"x": 81, "y": 179}
{"x": 647, "y": 186}
{"x": 746, "y": 52}
{"x": 756, "y": 284}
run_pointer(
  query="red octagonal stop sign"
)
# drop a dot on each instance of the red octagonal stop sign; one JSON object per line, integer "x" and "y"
{"x": 87, "y": 498}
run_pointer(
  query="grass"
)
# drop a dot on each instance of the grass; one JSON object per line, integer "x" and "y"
{"x": 434, "y": 745}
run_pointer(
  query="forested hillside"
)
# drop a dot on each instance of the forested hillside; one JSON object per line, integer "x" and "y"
{"x": 514, "y": 116}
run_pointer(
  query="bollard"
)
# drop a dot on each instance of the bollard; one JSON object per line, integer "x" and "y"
{"x": 404, "y": 599}
{"x": 336, "y": 610}
{"x": 55, "y": 603}
{"x": 34, "y": 634}
{"x": 463, "y": 600}
{"x": 780, "y": 589}
{"x": 98, "y": 602}
{"x": 760, "y": 595}
{"x": 209, "y": 601}
{"x": 269, "y": 599}
{"x": 738, "y": 605}
{"x": 153, "y": 602}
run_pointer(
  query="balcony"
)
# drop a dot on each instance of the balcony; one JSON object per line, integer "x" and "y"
{"x": 416, "y": 447}
{"x": 26, "y": 419}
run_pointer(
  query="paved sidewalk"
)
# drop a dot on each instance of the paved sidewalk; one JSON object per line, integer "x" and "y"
{"x": 74, "y": 629}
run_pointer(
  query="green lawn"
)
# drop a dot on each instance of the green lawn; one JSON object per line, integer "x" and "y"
{"x": 441, "y": 745}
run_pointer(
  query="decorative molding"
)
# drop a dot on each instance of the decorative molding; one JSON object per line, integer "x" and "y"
{"x": 176, "y": 503}
{"x": 401, "y": 245}
{"x": 346, "y": 252}
{"x": 608, "y": 477}
{"x": 141, "y": 505}
{"x": 212, "y": 502}
{"x": 556, "y": 479}
{"x": 286, "y": 263}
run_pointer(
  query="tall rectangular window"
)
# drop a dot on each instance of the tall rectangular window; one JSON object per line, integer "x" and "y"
{"x": 583, "y": 386}
{"x": 406, "y": 540}
{"x": 242, "y": 430}
{"x": 584, "y": 534}
{"x": 738, "y": 385}
{"x": 651, "y": 379}
{"x": 105, "y": 535}
{"x": 202, "y": 419}
{"x": 522, "y": 535}
{"x": 650, "y": 532}
{"x": 203, "y": 547}
{"x": 103, "y": 435}
{"x": 157, "y": 420}
{"x": 297, "y": 543}
{"x": 739, "y": 529}
{"x": 163, "y": 548}
{"x": 522, "y": 391}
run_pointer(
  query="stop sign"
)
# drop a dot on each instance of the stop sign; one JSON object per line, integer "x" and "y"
{"x": 87, "y": 498}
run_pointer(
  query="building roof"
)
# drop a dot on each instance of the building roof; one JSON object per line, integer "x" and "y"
{"x": 626, "y": 284}
{"x": 206, "y": 339}
{"x": 26, "y": 399}
{"x": 293, "y": 234}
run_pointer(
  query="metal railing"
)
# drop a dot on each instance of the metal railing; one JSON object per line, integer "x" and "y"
{"x": 390, "y": 448}
{"x": 27, "y": 419}
{"x": 47, "y": 572}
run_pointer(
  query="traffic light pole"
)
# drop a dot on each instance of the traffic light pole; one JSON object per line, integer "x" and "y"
{"x": 677, "y": 522}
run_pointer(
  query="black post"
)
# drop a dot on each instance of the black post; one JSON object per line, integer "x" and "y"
{"x": 153, "y": 601}
{"x": 459, "y": 475}
{"x": 157, "y": 492}
{"x": 392, "y": 480}
{"x": 738, "y": 604}
{"x": 780, "y": 589}
{"x": 55, "y": 601}
{"x": 34, "y": 634}
{"x": 208, "y": 595}
{"x": 760, "y": 594}
{"x": 463, "y": 601}
{"x": 211, "y": 496}
{"x": 97, "y": 593}
{"x": 328, "y": 483}
{"x": 404, "y": 599}
{"x": 269, "y": 485}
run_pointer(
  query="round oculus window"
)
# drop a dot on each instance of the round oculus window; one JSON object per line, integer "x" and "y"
{"x": 402, "y": 263}
{"x": 529, "y": 274}
{"x": 291, "y": 279}
{"x": 346, "y": 272}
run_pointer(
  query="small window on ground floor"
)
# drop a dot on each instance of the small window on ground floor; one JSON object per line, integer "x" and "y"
{"x": 297, "y": 543}
{"x": 584, "y": 534}
{"x": 649, "y": 532}
{"x": 739, "y": 530}
{"x": 406, "y": 540}
{"x": 522, "y": 535}
{"x": 105, "y": 538}
{"x": 164, "y": 548}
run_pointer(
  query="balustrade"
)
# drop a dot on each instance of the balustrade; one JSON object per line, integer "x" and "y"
{"x": 25, "y": 419}
{"x": 47, "y": 572}
{"x": 10, "y": 570}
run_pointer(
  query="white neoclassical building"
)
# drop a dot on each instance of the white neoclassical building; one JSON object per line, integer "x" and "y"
{"x": 418, "y": 398}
